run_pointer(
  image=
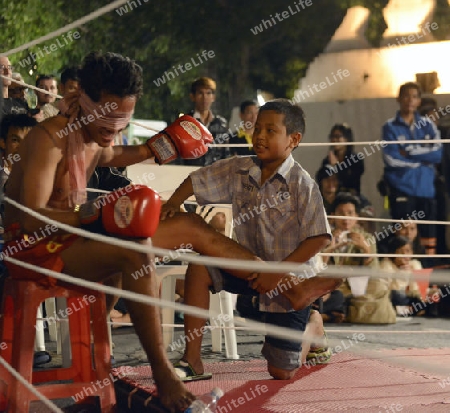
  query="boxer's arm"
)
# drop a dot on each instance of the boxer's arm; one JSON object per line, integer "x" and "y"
{"x": 124, "y": 155}
{"x": 42, "y": 158}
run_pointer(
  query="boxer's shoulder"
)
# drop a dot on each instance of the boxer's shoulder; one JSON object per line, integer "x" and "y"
{"x": 54, "y": 128}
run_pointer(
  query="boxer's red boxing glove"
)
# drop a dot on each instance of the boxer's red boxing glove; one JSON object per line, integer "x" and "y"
{"x": 186, "y": 137}
{"x": 132, "y": 211}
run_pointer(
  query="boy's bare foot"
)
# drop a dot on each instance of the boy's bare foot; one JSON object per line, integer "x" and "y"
{"x": 172, "y": 393}
{"x": 302, "y": 294}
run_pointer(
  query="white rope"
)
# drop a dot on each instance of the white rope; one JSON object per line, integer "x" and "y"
{"x": 144, "y": 126}
{"x": 399, "y": 221}
{"x": 431, "y": 331}
{"x": 77, "y": 23}
{"x": 376, "y": 143}
{"x": 30, "y": 387}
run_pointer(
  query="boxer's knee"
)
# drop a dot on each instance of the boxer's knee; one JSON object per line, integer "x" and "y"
{"x": 280, "y": 374}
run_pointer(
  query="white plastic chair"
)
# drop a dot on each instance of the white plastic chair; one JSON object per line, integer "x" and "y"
{"x": 221, "y": 303}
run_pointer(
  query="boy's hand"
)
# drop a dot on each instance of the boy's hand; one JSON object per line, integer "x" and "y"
{"x": 168, "y": 210}
{"x": 263, "y": 282}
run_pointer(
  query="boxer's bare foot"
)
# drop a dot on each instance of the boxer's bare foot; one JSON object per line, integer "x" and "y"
{"x": 306, "y": 292}
{"x": 186, "y": 369}
{"x": 173, "y": 394}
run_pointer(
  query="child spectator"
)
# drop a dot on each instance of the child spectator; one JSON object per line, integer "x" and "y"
{"x": 404, "y": 291}
{"x": 13, "y": 130}
{"x": 348, "y": 236}
{"x": 293, "y": 229}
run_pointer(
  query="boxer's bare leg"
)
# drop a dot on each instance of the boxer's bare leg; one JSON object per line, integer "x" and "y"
{"x": 197, "y": 283}
{"x": 113, "y": 281}
{"x": 309, "y": 290}
{"x": 99, "y": 262}
{"x": 188, "y": 228}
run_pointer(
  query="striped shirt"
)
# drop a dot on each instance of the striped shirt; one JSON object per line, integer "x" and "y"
{"x": 271, "y": 219}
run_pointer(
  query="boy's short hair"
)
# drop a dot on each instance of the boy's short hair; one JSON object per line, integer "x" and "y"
{"x": 397, "y": 242}
{"x": 346, "y": 198}
{"x": 70, "y": 73}
{"x": 294, "y": 117}
{"x": 409, "y": 85}
{"x": 44, "y": 77}
{"x": 246, "y": 103}
{"x": 203, "y": 83}
{"x": 21, "y": 121}
{"x": 111, "y": 73}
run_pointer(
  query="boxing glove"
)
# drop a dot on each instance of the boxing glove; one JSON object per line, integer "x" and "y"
{"x": 186, "y": 137}
{"x": 132, "y": 212}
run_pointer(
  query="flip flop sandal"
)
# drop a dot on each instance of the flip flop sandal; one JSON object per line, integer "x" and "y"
{"x": 322, "y": 355}
{"x": 186, "y": 373}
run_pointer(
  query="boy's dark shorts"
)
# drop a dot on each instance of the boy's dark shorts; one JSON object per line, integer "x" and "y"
{"x": 281, "y": 353}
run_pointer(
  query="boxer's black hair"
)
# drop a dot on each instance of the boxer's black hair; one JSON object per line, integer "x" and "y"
{"x": 111, "y": 73}
{"x": 294, "y": 117}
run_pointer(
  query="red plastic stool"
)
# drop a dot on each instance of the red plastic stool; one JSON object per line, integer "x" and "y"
{"x": 90, "y": 362}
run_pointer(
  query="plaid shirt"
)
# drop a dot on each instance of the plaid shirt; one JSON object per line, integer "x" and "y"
{"x": 272, "y": 219}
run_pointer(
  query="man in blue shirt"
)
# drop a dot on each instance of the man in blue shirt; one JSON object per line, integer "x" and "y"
{"x": 409, "y": 169}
